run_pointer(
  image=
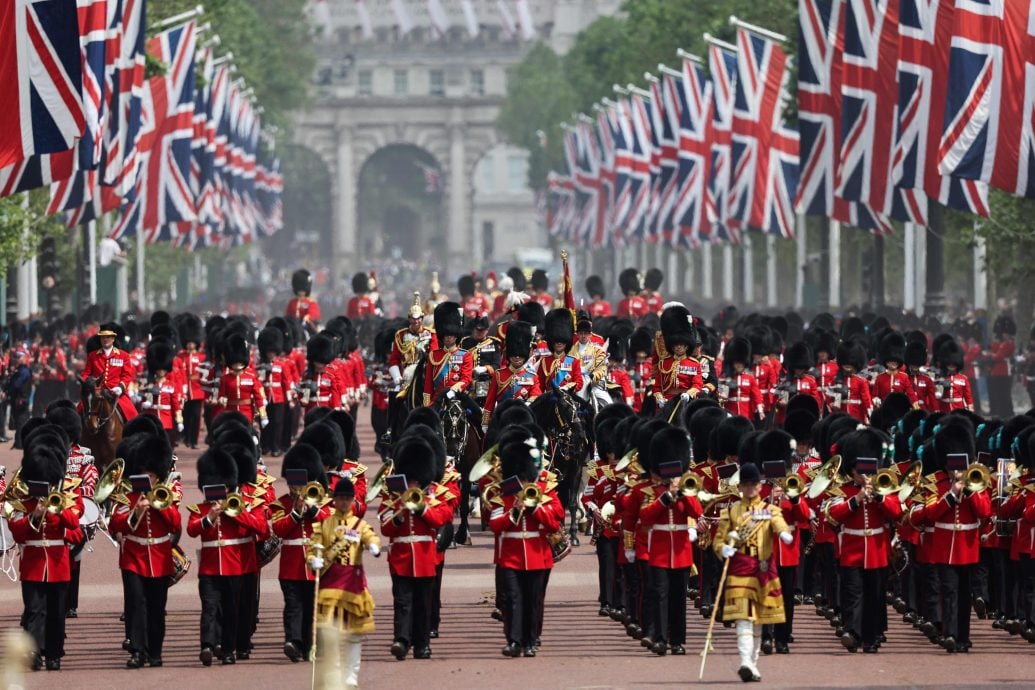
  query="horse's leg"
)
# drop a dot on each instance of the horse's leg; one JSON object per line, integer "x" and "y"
{"x": 463, "y": 536}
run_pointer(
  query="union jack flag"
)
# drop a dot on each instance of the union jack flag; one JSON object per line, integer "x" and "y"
{"x": 42, "y": 79}
{"x": 162, "y": 193}
{"x": 923, "y": 72}
{"x": 988, "y": 133}
{"x": 722, "y": 64}
{"x": 126, "y": 61}
{"x": 588, "y": 184}
{"x": 821, "y": 47}
{"x": 607, "y": 171}
{"x": 764, "y": 151}
{"x": 560, "y": 192}
{"x": 638, "y": 119}
{"x": 623, "y": 190}
{"x": 666, "y": 122}
{"x": 692, "y": 104}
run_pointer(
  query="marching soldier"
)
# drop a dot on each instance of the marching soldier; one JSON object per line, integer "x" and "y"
{"x": 1000, "y": 354}
{"x": 651, "y": 284}
{"x": 599, "y": 306}
{"x": 559, "y": 369}
{"x": 162, "y": 397}
{"x": 322, "y": 388}
{"x": 915, "y": 361}
{"x": 891, "y": 352}
{"x": 276, "y": 381}
{"x": 150, "y": 526}
{"x": 766, "y": 375}
{"x": 738, "y": 391}
{"x": 113, "y": 371}
{"x": 360, "y": 305}
{"x": 677, "y": 374}
{"x": 540, "y": 284}
{"x": 449, "y": 368}
{"x": 850, "y": 392}
{"x": 189, "y": 360}
{"x": 296, "y": 518}
{"x": 344, "y": 600}
{"x": 239, "y": 388}
{"x": 797, "y": 362}
{"x": 641, "y": 365}
{"x": 517, "y": 380}
{"x": 632, "y": 306}
{"x": 953, "y": 392}
{"x": 486, "y": 352}
{"x": 228, "y": 528}
{"x": 302, "y": 307}
{"x": 619, "y": 385}
{"x": 473, "y": 302}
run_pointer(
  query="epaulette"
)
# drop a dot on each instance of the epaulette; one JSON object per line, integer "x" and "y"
{"x": 608, "y": 472}
{"x": 358, "y": 469}
{"x": 194, "y": 508}
{"x": 267, "y": 479}
{"x": 71, "y": 483}
{"x": 452, "y": 475}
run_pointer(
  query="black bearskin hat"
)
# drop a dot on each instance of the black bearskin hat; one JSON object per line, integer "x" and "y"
{"x": 798, "y": 356}
{"x": 301, "y": 281}
{"x": 737, "y": 350}
{"x": 216, "y": 466}
{"x": 361, "y": 283}
{"x": 449, "y": 319}
{"x": 799, "y": 425}
{"x": 851, "y": 354}
{"x": 437, "y": 444}
{"x": 518, "y": 276}
{"x": 861, "y": 443}
{"x": 916, "y": 353}
{"x": 559, "y": 328}
{"x": 326, "y": 438}
{"x": 949, "y": 353}
{"x": 146, "y": 453}
{"x": 776, "y": 444}
{"x": 424, "y": 416}
{"x": 669, "y": 444}
{"x": 677, "y": 327}
{"x": 700, "y": 426}
{"x": 617, "y": 349}
{"x": 465, "y": 285}
{"x": 190, "y": 330}
{"x": 595, "y": 286}
{"x": 532, "y": 312}
{"x": 270, "y": 342}
{"x": 519, "y": 339}
{"x": 629, "y": 281}
{"x": 641, "y": 340}
{"x": 760, "y": 338}
{"x": 954, "y": 436}
{"x": 245, "y": 457}
{"x": 539, "y": 280}
{"x": 728, "y": 434}
{"x": 68, "y": 420}
{"x": 653, "y": 279}
{"x": 413, "y": 456}
{"x": 236, "y": 350}
{"x": 320, "y": 349}
{"x": 44, "y": 463}
{"x": 604, "y": 425}
{"x": 160, "y": 355}
{"x": 516, "y": 460}
{"x": 803, "y": 401}
{"x": 824, "y": 341}
{"x": 892, "y": 348}
{"x": 303, "y": 456}
{"x": 893, "y": 408}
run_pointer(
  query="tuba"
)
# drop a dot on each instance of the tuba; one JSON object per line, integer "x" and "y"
{"x": 110, "y": 482}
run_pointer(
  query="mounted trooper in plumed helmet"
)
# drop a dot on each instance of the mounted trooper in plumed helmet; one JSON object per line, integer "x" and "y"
{"x": 410, "y": 345}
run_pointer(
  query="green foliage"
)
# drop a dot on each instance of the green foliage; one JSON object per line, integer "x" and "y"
{"x": 23, "y": 226}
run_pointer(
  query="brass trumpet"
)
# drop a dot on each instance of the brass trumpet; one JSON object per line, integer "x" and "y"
{"x": 793, "y": 486}
{"x": 313, "y": 494}
{"x": 531, "y": 496}
{"x": 160, "y": 497}
{"x": 233, "y": 505}
{"x": 885, "y": 482}
{"x": 689, "y": 484}
{"x": 975, "y": 478}
{"x": 55, "y": 502}
{"x": 413, "y": 500}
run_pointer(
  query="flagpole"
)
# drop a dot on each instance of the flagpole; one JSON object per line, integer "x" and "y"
{"x": 770, "y": 270}
{"x": 632, "y": 88}
{"x": 801, "y": 258}
{"x": 141, "y": 297}
{"x": 719, "y": 43}
{"x": 91, "y": 239}
{"x": 909, "y": 263}
{"x": 665, "y": 69}
{"x": 223, "y": 58}
{"x": 766, "y": 33}
{"x": 689, "y": 56}
{"x": 179, "y": 18}
{"x": 835, "y": 265}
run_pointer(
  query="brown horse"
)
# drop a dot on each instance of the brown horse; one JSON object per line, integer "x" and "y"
{"x": 102, "y": 424}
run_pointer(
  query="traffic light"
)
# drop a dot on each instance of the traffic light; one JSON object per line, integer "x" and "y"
{"x": 49, "y": 273}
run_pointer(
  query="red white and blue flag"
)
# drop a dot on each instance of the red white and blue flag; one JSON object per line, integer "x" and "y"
{"x": 665, "y": 126}
{"x": 989, "y": 127}
{"x": 722, "y": 64}
{"x": 764, "y": 150}
{"x": 127, "y": 60}
{"x": 692, "y": 101}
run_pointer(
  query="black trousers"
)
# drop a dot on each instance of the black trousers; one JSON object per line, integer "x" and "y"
{"x": 806, "y": 567}
{"x": 711, "y": 568}
{"x": 905, "y": 586}
{"x": 45, "y": 616}
{"x": 607, "y": 566}
{"x": 271, "y": 437}
{"x": 524, "y": 588}
{"x": 411, "y": 599}
{"x": 633, "y": 591}
{"x": 1000, "y": 400}
{"x": 298, "y": 612}
{"x": 379, "y": 420}
{"x": 981, "y": 576}
{"x": 220, "y": 599}
{"x": 862, "y": 595}
{"x": 782, "y": 631}
{"x": 292, "y": 417}
{"x": 954, "y": 592}
{"x": 827, "y": 574}
{"x": 248, "y": 611}
{"x": 930, "y": 597}
{"x": 668, "y": 592}
{"x": 191, "y": 422}
{"x": 436, "y": 599}
{"x": 145, "y": 615}
{"x": 1026, "y": 590}
{"x": 72, "y": 596}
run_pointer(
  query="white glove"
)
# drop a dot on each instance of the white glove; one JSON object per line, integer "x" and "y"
{"x": 684, "y": 397}
{"x": 374, "y": 550}
{"x": 786, "y": 538}
{"x": 693, "y": 535}
{"x": 480, "y": 369}
{"x": 264, "y": 422}
{"x": 316, "y": 563}
{"x": 393, "y": 371}
{"x": 733, "y": 536}
{"x": 630, "y": 555}
{"x": 450, "y": 394}
{"x": 728, "y": 551}
{"x": 179, "y": 428}
{"x": 117, "y": 390}
{"x": 146, "y": 405}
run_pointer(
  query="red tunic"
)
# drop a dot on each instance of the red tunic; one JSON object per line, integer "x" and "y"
{"x": 923, "y": 387}
{"x": 956, "y": 523}
{"x": 632, "y": 307}
{"x": 294, "y": 534}
{"x": 654, "y": 300}
{"x": 1001, "y": 354}
{"x": 766, "y": 381}
{"x": 865, "y": 534}
{"x": 955, "y": 395}
{"x": 228, "y": 544}
{"x": 743, "y": 397}
{"x": 562, "y": 371}
{"x": 162, "y": 400}
{"x": 599, "y": 307}
{"x": 411, "y": 551}
{"x": 668, "y": 530}
{"x": 619, "y": 377}
{"x": 507, "y": 383}
{"x": 275, "y": 383}
{"x": 111, "y": 370}
{"x": 189, "y": 363}
{"x": 475, "y": 306}
{"x": 887, "y": 383}
{"x": 303, "y": 308}
{"x": 45, "y": 554}
{"x": 524, "y": 544}
{"x": 642, "y": 378}
{"x": 360, "y": 306}
{"x": 147, "y": 546}
{"x": 242, "y": 391}
{"x": 447, "y": 370}
{"x": 674, "y": 377}
{"x": 858, "y": 402}
{"x": 329, "y": 392}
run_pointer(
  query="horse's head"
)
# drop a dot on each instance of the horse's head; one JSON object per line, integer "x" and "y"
{"x": 454, "y": 424}
{"x": 97, "y": 409}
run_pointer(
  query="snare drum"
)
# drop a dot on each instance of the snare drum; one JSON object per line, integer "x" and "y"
{"x": 91, "y": 514}
{"x": 268, "y": 550}
{"x": 181, "y": 564}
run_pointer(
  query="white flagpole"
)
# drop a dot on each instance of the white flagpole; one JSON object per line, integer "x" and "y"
{"x": 909, "y": 266}
{"x": 470, "y": 18}
{"x": 766, "y": 33}
{"x": 179, "y": 18}
{"x": 801, "y": 257}
{"x": 141, "y": 296}
{"x": 835, "y": 265}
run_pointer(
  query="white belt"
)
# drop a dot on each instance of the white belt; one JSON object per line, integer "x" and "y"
{"x": 952, "y": 400}
{"x": 520, "y": 535}
{"x": 226, "y": 542}
{"x": 852, "y": 402}
{"x": 669, "y": 528}
{"x": 957, "y": 526}
{"x": 161, "y": 407}
{"x": 321, "y": 398}
{"x": 739, "y": 399}
{"x": 412, "y": 539}
{"x": 863, "y": 532}
{"x": 148, "y": 541}
{"x": 274, "y": 384}
{"x": 44, "y": 543}
{"x": 295, "y": 542}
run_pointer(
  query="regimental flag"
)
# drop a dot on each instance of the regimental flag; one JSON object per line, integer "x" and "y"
{"x": 41, "y": 79}
{"x": 693, "y": 106}
{"x": 820, "y": 59}
{"x": 989, "y": 128}
{"x": 764, "y": 150}
{"x": 162, "y": 193}
{"x": 925, "y": 30}
{"x": 869, "y": 112}
{"x": 722, "y": 65}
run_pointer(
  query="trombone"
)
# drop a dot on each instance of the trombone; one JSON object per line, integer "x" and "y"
{"x": 160, "y": 497}
{"x": 233, "y": 505}
{"x": 885, "y": 482}
{"x": 313, "y": 494}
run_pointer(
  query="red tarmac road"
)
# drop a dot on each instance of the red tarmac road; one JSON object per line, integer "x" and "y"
{"x": 580, "y": 649}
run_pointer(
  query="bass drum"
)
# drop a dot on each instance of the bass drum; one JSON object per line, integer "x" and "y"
{"x": 91, "y": 514}
{"x": 181, "y": 564}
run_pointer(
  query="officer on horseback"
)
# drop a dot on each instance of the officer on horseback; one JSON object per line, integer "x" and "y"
{"x": 113, "y": 371}
{"x": 449, "y": 369}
